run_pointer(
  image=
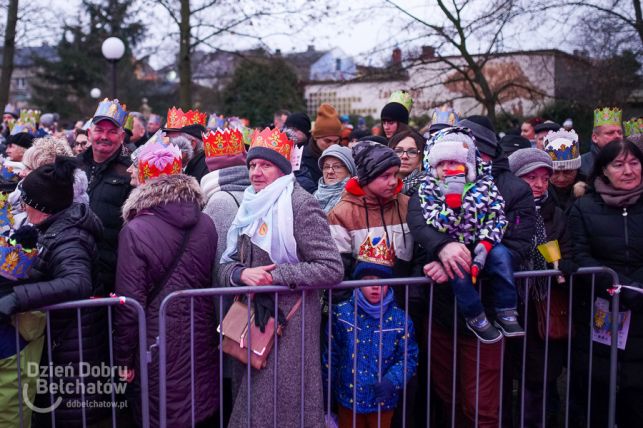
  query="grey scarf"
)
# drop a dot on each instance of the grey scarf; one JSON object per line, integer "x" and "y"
{"x": 616, "y": 197}
{"x": 329, "y": 194}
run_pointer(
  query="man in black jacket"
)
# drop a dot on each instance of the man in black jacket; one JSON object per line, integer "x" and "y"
{"x": 109, "y": 182}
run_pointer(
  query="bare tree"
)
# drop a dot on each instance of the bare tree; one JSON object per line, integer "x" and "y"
{"x": 8, "y": 52}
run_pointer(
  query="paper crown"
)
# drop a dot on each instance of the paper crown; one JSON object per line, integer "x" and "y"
{"x": 562, "y": 147}
{"x": 273, "y": 139}
{"x": 155, "y": 159}
{"x": 129, "y": 122}
{"x": 607, "y": 116}
{"x": 177, "y": 119}
{"x": 377, "y": 251}
{"x": 15, "y": 261}
{"x": 12, "y": 110}
{"x": 228, "y": 142}
{"x": 633, "y": 127}
{"x": 6, "y": 217}
{"x": 7, "y": 172}
{"x": 402, "y": 97}
{"x": 26, "y": 122}
{"x": 444, "y": 115}
{"x": 216, "y": 121}
{"x": 113, "y": 110}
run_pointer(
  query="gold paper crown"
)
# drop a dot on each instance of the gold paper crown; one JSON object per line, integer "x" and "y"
{"x": 376, "y": 251}
{"x": 129, "y": 122}
{"x": 30, "y": 116}
{"x": 633, "y": 127}
{"x": 228, "y": 142}
{"x": 607, "y": 116}
{"x": 273, "y": 139}
{"x": 177, "y": 119}
{"x": 402, "y": 97}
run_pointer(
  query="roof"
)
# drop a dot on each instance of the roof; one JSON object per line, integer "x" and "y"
{"x": 23, "y": 57}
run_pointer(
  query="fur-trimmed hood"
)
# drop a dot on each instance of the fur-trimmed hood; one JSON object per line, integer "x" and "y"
{"x": 160, "y": 192}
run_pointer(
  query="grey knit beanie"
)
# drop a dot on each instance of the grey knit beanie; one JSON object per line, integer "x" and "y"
{"x": 344, "y": 154}
{"x": 524, "y": 161}
{"x": 372, "y": 159}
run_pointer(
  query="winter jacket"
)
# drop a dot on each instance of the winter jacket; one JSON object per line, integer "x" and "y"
{"x": 157, "y": 215}
{"x": 587, "y": 160}
{"x": 309, "y": 172}
{"x": 319, "y": 264}
{"x": 394, "y": 340}
{"x": 609, "y": 236}
{"x": 357, "y": 217}
{"x": 62, "y": 272}
{"x": 109, "y": 186}
{"x": 196, "y": 167}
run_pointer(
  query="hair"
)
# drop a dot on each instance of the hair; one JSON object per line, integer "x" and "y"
{"x": 611, "y": 152}
{"x": 281, "y": 112}
{"x": 420, "y": 141}
{"x": 44, "y": 151}
{"x": 401, "y": 126}
{"x": 81, "y": 132}
{"x": 184, "y": 144}
{"x": 534, "y": 121}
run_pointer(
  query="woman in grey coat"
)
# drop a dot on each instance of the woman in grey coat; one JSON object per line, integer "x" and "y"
{"x": 280, "y": 236}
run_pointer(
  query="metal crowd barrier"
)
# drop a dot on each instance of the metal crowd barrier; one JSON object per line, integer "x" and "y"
{"x": 406, "y": 420}
{"x": 59, "y": 375}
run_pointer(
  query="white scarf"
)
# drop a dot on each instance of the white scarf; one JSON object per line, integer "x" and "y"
{"x": 267, "y": 218}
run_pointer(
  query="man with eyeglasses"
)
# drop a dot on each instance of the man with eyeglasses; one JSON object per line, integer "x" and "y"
{"x": 109, "y": 182}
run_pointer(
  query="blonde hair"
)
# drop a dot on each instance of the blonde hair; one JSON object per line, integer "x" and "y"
{"x": 44, "y": 151}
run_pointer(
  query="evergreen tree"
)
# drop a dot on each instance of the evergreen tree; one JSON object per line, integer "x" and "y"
{"x": 261, "y": 86}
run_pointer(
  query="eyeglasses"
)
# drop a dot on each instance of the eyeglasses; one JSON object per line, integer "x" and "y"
{"x": 335, "y": 167}
{"x": 411, "y": 153}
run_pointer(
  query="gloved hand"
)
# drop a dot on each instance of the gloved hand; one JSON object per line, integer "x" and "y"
{"x": 632, "y": 299}
{"x": 8, "y": 306}
{"x": 453, "y": 186}
{"x": 384, "y": 390}
{"x": 567, "y": 266}
{"x": 264, "y": 306}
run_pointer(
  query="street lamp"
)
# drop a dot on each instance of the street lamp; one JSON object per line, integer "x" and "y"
{"x": 113, "y": 49}
{"x": 95, "y": 93}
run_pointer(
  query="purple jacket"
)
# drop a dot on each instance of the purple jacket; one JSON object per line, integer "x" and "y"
{"x": 156, "y": 215}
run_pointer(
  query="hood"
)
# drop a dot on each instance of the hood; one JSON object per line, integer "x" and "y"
{"x": 176, "y": 198}
{"x": 232, "y": 179}
{"x": 76, "y": 216}
{"x": 355, "y": 194}
{"x": 500, "y": 165}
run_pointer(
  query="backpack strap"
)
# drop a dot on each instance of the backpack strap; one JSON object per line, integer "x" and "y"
{"x": 232, "y": 196}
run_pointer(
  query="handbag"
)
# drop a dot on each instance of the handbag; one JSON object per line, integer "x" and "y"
{"x": 237, "y": 331}
{"x": 558, "y": 315}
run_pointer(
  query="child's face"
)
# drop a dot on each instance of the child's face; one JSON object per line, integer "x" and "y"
{"x": 445, "y": 166}
{"x": 383, "y": 187}
{"x": 374, "y": 293}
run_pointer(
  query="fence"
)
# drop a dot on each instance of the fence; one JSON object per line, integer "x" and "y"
{"x": 223, "y": 295}
{"x": 69, "y": 377}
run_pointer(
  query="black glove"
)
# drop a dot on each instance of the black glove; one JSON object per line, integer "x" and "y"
{"x": 567, "y": 266}
{"x": 632, "y": 299}
{"x": 8, "y": 305}
{"x": 264, "y": 306}
{"x": 384, "y": 391}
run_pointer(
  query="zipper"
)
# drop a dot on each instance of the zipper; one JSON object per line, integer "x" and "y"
{"x": 627, "y": 240}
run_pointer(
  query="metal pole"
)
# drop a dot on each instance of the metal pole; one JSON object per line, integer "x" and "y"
{"x": 113, "y": 78}
{"x": 613, "y": 360}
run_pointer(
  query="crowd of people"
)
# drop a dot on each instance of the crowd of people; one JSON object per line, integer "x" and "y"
{"x": 126, "y": 205}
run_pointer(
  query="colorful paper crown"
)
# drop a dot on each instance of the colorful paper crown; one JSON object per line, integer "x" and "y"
{"x": 273, "y": 139}
{"x": 12, "y": 110}
{"x": 607, "y": 116}
{"x": 112, "y": 109}
{"x": 402, "y": 97}
{"x": 377, "y": 251}
{"x": 177, "y": 119}
{"x": 156, "y": 159}
{"x": 562, "y": 147}
{"x": 444, "y": 115}
{"x": 15, "y": 261}
{"x": 216, "y": 121}
{"x": 633, "y": 127}
{"x": 227, "y": 142}
{"x": 7, "y": 172}
{"x": 26, "y": 122}
{"x": 6, "y": 217}
{"x": 129, "y": 122}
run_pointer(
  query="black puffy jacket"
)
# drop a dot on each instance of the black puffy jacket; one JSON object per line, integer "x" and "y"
{"x": 197, "y": 167}
{"x": 609, "y": 236}
{"x": 309, "y": 172}
{"x": 109, "y": 187}
{"x": 63, "y": 272}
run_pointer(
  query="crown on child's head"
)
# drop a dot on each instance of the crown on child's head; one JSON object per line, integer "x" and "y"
{"x": 177, "y": 119}
{"x": 376, "y": 250}
{"x": 444, "y": 115}
{"x": 273, "y": 139}
{"x": 607, "y": 116}
{"x": 228, "y": 142}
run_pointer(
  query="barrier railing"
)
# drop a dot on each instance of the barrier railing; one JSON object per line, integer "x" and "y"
{"x": 63, "y": 378}
{"x": 409, "y": 411}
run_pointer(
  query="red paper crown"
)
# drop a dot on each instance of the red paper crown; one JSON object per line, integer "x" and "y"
{"x": 158, "y": 160}
{"x": 176, "y": 119}
{"x": 223, "y": 143}
{"x": 376, "y": 251}
{"x": 273, "y": 139}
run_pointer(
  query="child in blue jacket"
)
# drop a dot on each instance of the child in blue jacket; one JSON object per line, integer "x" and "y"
{"x": 370, "y": 387}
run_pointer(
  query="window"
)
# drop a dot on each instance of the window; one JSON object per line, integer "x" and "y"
{"x": 338, "y": 64}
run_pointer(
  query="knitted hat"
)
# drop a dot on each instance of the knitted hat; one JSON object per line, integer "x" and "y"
{"x": 299, "y": 121}
{"x": 327, "y": 122}
{"x": 562, "y": 147}
{"x": 344, "y": 154}
{"x": 396, "y": 112}
{"x": 273, "y": 146}
{"x": 372, "y": 159}
{"x": 375, "y": 138}
{"x": 50, "y": 188}
{"x": 525, "y": 161}
{"x": 511, "y": 143}
{"x": 484, "y": 133}
{"x": 22, "y": 139}
{"x": 453, "y": 144}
